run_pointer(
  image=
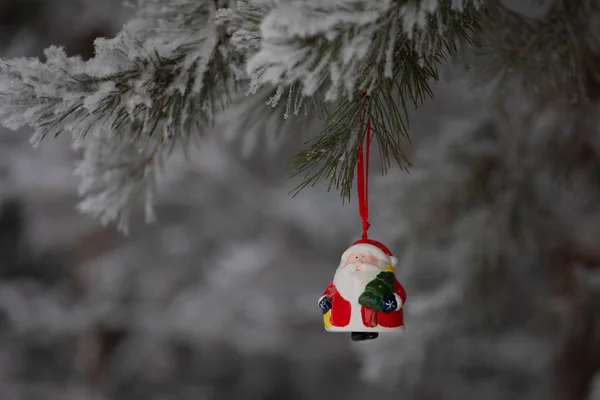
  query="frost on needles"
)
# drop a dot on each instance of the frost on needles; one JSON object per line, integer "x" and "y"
{"x": 178, "y": 63}
{"x": 157, "y": 83}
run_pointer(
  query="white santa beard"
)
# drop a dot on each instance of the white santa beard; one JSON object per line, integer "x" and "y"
{"x": 351, "y": 283}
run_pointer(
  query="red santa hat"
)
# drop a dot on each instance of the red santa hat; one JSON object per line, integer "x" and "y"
{"x": 374, "y": 248}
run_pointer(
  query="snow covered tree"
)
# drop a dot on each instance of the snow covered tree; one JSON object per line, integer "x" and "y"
{"x": 177, "y": 64}
{"x": 496, "y": 227}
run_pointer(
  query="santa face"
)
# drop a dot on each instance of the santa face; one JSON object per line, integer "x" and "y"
{"x": 356, "y": 270}
{"x": 360, "y": 259}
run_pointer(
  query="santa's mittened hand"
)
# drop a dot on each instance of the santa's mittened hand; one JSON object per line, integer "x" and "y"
{"x": 389, "y": 303}
{"x": 324, "y": 304}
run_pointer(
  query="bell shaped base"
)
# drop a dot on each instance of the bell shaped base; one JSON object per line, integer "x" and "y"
{"x": 361, "y": 328}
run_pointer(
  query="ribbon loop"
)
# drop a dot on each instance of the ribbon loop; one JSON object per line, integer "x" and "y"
{"x": 362, "y": 176}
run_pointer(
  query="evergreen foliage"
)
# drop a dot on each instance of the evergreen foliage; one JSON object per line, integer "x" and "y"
{"x": 178, "y": 64}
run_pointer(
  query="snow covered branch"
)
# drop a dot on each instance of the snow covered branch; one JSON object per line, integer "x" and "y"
{"x": 178, "y": 63}
{"x": 337, "y": 50}
{"x": 346, "y": 46}
{"x": 137, "y": 98}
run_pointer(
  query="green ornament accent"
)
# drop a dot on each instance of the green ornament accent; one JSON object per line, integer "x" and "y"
{"x": 382, "y": 285}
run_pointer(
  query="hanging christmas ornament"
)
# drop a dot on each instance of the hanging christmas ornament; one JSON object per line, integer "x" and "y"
{"x": 365, "y": 297}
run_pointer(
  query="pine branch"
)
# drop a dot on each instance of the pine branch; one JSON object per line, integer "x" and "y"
{"x": 242, "y": 23}
{"x": 176, "y": 64}
{"x": 268, "y": 108}
{"x": 115, "y": 175}
{"x": 333, "y": 154}
{"x": 126, "y": 107}
{"x": 345, "y": 46}
{"x": 553, "y": 57}
{"x": 243, "y": 27}
{"x": 271, "y": 116}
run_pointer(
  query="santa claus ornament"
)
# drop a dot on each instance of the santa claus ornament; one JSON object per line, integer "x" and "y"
{"x": 365, "y": 297}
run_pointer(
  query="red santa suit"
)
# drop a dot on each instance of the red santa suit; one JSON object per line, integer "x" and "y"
{"x": 360, "y": 264}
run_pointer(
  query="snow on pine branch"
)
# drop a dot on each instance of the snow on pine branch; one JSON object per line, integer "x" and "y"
{"x": 243, "y": 24}
{"x": 345, "y": 46}
{"x": 115, "y": 174}
{"x": 140, "y": 95}
{"x": 173, "y": 67}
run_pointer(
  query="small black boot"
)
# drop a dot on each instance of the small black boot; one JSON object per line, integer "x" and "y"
{"x": 362, "y": 336}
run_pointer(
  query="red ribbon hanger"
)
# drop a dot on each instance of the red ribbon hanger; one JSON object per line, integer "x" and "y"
{"x": 362, "y": 176}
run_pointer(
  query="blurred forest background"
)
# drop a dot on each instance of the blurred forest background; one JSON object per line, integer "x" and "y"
{"x": 496, "y": 228}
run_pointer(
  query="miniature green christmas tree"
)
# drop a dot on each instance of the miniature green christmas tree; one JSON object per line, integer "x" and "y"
{"x": 382, "y": 285}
